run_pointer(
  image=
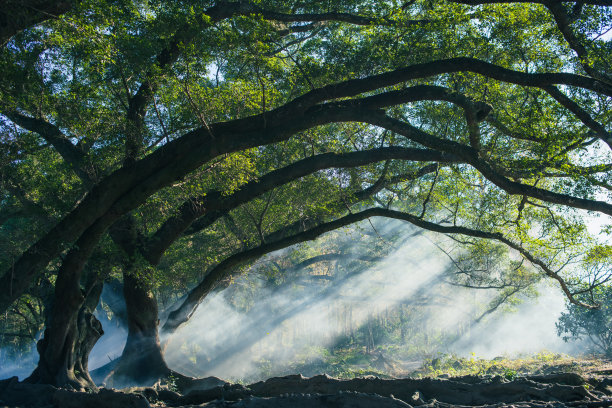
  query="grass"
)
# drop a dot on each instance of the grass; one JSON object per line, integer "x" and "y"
{"x": 538, "y": 364}
{"x": 354, "y": 362}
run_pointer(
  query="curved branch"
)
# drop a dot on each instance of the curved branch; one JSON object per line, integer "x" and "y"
{"x": 71, "y": 153}
{"x": 478, "y": 2}
{"x": 497, "y": 303}
{"x": 470, "y": 155}
{"x": 222, "y": 10}
{"x": 16, "y": 16}
{"x": 181, "y": 314}
{"x": 331, "y": 257}
{"x": 131, "y": 185}
{"x": 563, "y": 21}
{"x": 215, "y": 204}
{"x": 355, "y": 87}
{"x": 580, "y": 113}
{"x": 251, "y": 8}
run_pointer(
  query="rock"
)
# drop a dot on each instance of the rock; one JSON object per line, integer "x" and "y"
{"x": 200, "y": 384}
{"x": 167, "y": 395}
{"x": 103, "y": 399}
{"x": 468, "y": 379}
{"x": 16, "y": 394}
{"x": 344, "y": 400}
{"x": 467, "y": 390}
{"x": 562, "y": 378}
{"x": 41, "y": 395}
{"x": 541, "y": 391}
{"x": 156, "y": 393}
{"x": 228, "y": 392}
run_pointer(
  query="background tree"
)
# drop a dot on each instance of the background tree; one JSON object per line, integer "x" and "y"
{"x": 592, "y": 325}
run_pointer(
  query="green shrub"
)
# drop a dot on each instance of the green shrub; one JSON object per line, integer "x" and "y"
{"x": 593, "y": 325}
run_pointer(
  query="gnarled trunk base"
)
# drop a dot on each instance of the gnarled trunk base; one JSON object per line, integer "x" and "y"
{"x": 142, "y": 361}
{"x": 67, "y": 341}
{"x": 141, "y": 364}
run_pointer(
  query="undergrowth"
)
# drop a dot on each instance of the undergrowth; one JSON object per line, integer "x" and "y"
{"x": 353, "y": 362}
{"x": 540, "y": 363}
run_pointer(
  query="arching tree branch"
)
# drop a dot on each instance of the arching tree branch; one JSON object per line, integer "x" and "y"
{"x": 187, "y": 307}
{"x": 215, "y": 204}
{"x": 17, "y": 15}
{"x": 470, "y": 155}
{"x": 131, "y": 185}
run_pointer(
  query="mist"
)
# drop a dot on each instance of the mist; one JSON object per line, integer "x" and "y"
{"x": 287, "y": 322}
{"x": 111, "y": 314}
{"x": 527, "y": 330}
{"x": 253, "y": 330}
{"x": 20, "y": 365}
{"x": 291, "y": 328}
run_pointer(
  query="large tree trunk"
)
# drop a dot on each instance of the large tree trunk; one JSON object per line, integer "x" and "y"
{"x": 62, "y": 341}
{"x": 142, "y": 361}
{"x": 89, "y": 331}
{"x": 71, "y": 333}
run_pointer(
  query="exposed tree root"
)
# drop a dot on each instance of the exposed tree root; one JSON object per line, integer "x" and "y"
{"x": 560, "y": 390}
{"x": 461, "y": 391}
{"x": 16, "y": 394}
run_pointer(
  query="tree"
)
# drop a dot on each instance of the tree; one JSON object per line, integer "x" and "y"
{"x": 593, "y": 325}
{"x": 578, "y": 323}
{"x": 192, "y": 122}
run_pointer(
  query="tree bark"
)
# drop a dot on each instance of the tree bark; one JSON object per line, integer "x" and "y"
{"x": 71, "y": 333}
{"x": 16, "y": 16}
{"x": 142, "y": 361}
{"x": 71, "y": 306}
{"x": 89, "y": 331}
{"x": 200, "y": 212}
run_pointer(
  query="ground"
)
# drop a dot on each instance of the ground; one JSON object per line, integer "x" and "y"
{"x": 544, "y": 380}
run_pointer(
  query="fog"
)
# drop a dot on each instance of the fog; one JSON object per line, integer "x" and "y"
{"x": 285, "y": 323}
{"x": 21, "y": 366}
{"x": 528, "y": 330}
{"x": 252, "y": 329}
{"x": 291, "y": 327}
{"x": 111, "y": 314}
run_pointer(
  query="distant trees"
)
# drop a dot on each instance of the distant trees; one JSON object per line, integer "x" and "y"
{"x": 357, "y": 291}
{"x": 591, "y": 325}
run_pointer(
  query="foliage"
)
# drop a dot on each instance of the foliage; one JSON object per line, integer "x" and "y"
{"x": 143, "y": 117}
{"x": 543, "y": 362}
{"x": 593, "y": 325}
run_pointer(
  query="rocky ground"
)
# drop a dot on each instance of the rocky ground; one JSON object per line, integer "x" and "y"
{"x": 552, "y": 390}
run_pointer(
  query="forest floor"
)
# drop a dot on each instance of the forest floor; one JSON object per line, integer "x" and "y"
{"x": 544, "y": 380}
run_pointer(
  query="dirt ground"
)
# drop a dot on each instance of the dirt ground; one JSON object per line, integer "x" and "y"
{"x": 543, "y": 382}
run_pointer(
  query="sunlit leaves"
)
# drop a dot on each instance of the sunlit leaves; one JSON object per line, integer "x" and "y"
{"x": 84, "y": 71}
